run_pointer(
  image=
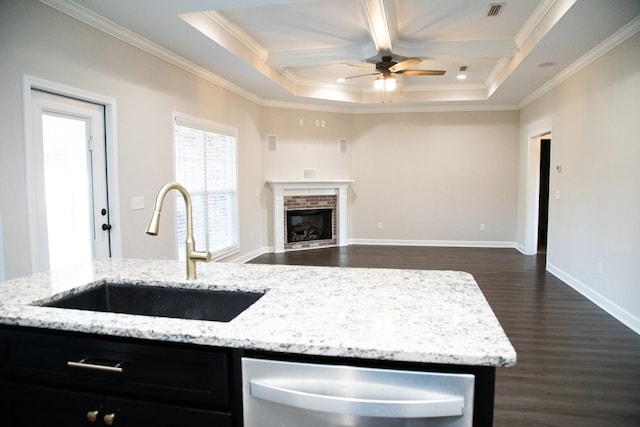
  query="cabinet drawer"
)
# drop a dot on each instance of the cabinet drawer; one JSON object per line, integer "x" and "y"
{"x": 128, "y": 367}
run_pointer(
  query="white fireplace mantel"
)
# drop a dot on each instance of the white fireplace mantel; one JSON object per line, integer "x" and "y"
{"x": 280, "y": 189}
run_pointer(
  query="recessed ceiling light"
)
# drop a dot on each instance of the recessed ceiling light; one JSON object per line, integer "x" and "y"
{"x": 341, "y": 80}
{"x": 461, "y": 76}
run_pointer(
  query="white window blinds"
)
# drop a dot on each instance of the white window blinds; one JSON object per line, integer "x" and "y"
{"x": 206, "y": 164}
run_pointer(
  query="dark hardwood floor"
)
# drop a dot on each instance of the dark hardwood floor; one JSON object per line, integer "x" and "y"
{"x": 577, "y": 365}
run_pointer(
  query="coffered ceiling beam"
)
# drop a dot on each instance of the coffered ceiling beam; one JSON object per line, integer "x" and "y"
{"x": 380, "y": 16}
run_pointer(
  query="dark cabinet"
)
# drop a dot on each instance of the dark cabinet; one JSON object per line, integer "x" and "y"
{"x": 37, "y": 406}
{"x": 51, "y": 378}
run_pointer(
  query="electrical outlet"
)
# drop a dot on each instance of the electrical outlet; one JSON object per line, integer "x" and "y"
{"x": 342, "y": 145}
{"x": 379, "y": 226}
{"x": 482, "y": 227}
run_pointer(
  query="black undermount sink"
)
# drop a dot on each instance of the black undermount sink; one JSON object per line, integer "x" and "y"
{"x": 182, "y": 303}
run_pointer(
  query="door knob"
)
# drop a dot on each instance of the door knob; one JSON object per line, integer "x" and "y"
{"x": 106, "y": 226}
{"x": 109, "y": 418}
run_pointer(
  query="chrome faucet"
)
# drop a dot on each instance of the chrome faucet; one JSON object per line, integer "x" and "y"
{"x": 191, "y": 254}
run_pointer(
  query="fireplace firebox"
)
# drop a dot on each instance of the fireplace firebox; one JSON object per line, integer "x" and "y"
{"x": 306, "y": 225}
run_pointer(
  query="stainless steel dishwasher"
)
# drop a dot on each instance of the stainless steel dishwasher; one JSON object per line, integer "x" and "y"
{"x": 291, "y": 394}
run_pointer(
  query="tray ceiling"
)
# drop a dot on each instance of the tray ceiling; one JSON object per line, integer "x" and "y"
{"x": 288, "y": 52}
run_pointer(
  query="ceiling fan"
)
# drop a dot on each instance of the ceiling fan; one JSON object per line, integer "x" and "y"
{"x": 387, "y": 66}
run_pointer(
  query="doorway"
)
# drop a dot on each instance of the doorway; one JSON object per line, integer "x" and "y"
{"x": 69, "y": 172}
{"x": 538, "y": 182}
{"x": 543, "y": 194}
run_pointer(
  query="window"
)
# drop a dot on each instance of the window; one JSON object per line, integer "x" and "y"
{"x": 206, "y": 164}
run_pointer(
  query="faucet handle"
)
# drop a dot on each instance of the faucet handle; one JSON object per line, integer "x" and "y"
{"x": 200, "y": 256}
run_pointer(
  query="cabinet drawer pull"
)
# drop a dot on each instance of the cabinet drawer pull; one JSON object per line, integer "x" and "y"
{"x": 83, "y": 364}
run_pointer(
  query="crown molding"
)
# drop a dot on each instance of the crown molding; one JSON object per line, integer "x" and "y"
{"x": 390, "y": 107}
{"x": 238, "y": 33}
{"x": 616, "y": 39}
{"x": 534, "y": 20}
{"x": 106, "y": 26}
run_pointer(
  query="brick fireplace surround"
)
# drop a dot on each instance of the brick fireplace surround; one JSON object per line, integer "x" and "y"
{"x": 306, "y": 203}
{"x": 309, "y": 194}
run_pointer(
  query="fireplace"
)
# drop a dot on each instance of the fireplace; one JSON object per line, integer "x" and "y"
{"x": 309, "y": 214}
{"x": 309, "y": 221}
{"x": 307, "y": 225}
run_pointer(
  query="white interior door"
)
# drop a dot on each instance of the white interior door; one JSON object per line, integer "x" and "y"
{"x": 70, "y": 180}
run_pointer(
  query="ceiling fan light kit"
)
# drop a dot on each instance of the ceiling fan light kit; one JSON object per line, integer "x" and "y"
{"x": 388, "y": 67}
{"x": 388, "y": 84}
{"x": 462, "y": 75}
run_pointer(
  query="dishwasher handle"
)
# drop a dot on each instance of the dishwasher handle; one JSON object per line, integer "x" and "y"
{"x": 438, "y": 405}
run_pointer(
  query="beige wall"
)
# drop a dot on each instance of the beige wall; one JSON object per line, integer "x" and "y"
{"x": 435, "y": 177}
{"x": 427, "y": 177}
{"x": 305, "y": 146}
{"x": 594, "y": 227}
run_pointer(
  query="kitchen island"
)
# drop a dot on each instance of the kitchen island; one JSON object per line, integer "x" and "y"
{"x": 382, "y": 317}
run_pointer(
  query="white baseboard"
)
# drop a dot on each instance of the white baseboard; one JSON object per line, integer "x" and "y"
{"x": 241, "y": 259}
{"x": 600, "y": 300}
{"x": 443, "y": 243}
{"x": 523, "y": 250}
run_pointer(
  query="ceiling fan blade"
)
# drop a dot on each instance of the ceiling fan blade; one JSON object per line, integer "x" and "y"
{"x": 401, "y": 66}
{"x": 422, "y": 72}
{"x": 361, "y": 75}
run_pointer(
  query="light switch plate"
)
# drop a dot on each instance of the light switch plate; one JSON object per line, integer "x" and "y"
{"x": 137, "y": 203}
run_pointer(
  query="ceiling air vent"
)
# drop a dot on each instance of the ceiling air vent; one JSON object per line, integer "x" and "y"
{"x": 495, "y": 9}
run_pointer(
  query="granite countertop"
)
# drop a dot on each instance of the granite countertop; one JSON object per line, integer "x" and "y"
{"x": 400, "y": 315}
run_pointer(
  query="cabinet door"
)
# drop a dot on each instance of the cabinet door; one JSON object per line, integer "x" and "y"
{"x": 32, "y": 406}
{"x": 36, "y": 406}
{"x": 133, "y": 413}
